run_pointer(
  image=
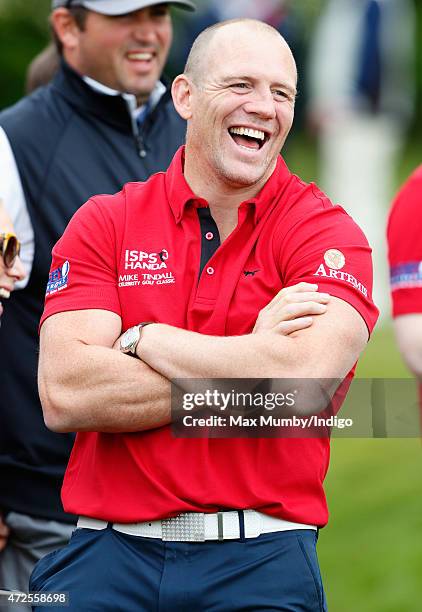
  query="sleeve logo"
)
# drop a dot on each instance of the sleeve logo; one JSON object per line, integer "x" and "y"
{"x": 57, "y": 279}
{"x": 406, "y": 275}
{"x": 335, "y": 261}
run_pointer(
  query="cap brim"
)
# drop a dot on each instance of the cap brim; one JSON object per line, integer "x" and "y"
{"x": 113, "y": 7}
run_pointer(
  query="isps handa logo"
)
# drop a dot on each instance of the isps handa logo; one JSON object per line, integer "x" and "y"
{"x": 57, "y": 279}
{"x": 141, "y": 260}
{"x": 148, "y": 269}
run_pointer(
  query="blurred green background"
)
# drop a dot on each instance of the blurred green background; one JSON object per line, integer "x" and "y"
{"x": 371, "y": 552}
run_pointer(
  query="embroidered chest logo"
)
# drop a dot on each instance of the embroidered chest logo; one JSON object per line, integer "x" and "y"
{"x": 149, "y": 268}
{"x": 139, "y": 260}
{"x": 250, "y": 272}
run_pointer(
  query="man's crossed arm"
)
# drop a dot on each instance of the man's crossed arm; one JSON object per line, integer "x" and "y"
{"x": 86, "y": 385}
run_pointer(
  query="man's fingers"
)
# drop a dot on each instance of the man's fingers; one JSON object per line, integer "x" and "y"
{"x": 288, "y": 327}
{"x": 287, "y": 293}
{"x": 306, "y": 296}
{"x": 293, "y": 311}
{"x": 300, "y": 287}
{"x": 301, "y": 300}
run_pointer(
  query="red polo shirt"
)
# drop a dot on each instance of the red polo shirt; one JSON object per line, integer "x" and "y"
{"x": 404, "y": 233}
{"x": 140, "y": 254}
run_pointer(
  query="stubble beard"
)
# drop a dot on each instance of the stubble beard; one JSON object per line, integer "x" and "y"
{"x": 242, "y": 179}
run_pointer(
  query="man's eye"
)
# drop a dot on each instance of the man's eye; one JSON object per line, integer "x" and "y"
{"x": 159, "y": 11}
{"x": 279, "y": 93}
{"x": 240, "y": 85}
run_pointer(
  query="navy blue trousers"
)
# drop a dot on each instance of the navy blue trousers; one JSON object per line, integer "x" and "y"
{"x": 108, "y": 571}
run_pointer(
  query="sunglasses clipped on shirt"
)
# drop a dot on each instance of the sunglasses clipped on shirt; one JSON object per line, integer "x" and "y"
{"x": 10, "y": 248}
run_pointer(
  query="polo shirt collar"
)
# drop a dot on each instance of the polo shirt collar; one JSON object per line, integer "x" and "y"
{"x": 154, "y": 98}
{"x": 180, "y": 194}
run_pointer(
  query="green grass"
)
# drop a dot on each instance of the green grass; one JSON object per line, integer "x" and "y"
{"x": 371, "y": 550}
{"x": 370, "y": 553}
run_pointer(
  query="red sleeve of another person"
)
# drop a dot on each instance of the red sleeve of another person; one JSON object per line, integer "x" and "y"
{"x": 404, "y": 236}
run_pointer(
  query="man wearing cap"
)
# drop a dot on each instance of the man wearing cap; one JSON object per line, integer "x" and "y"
{"x": 198, "y": 267}
{"x": 104, "y": 120}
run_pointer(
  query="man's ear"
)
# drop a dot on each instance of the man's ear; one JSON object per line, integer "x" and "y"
{"x": 66, "y": 28}
{"x": 181, "y": 91}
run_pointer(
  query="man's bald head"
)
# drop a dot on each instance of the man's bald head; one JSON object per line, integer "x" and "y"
{"x": 208, "y": 39}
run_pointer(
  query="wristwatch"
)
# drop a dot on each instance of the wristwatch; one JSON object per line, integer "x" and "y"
{"x": 130, "y": 339}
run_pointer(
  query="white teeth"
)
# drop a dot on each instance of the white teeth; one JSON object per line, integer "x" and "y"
{"x": 244, "y": 131}
{"x": 140, "y": 56}
{"x": 4, "y": 293}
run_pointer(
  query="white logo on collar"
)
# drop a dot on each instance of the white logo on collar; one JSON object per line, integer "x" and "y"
{"x": 334, "y": 259}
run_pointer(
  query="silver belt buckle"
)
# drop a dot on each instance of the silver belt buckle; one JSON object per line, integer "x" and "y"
{"x": 187, "y": 527}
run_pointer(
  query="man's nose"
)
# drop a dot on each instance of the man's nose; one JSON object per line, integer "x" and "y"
{"x": 261, "y": 103}
{"x": 17, "y": 271}
{"x": 143, "y": 29}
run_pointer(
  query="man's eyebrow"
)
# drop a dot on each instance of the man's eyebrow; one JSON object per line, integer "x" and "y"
{"x": 279, "y": 85}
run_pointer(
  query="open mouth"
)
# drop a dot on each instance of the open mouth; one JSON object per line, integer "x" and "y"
{"x": 249, "y": 138}
{"x": 140, "y": 56}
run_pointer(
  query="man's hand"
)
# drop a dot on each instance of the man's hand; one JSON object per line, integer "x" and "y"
{"x": 4, "y": 533}
{"x": 292, "y": 309}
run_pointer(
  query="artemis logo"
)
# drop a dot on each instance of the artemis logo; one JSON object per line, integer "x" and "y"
{"x": 140, "y": 260}
{"x": 343, "y": 276}
{"x": 334, "y": 259}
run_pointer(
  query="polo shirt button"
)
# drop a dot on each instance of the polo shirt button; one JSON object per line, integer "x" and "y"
{"x": 209, "y": 235}
{"x": 210, "y": 271}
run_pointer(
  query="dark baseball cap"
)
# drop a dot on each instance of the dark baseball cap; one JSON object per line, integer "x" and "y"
{"x": 120, "y": 7}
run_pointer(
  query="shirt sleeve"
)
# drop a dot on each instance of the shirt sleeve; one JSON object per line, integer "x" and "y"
{"x": 83, "y": 271}
{"x": 325, "y": 246}
{"x": 11, "y": 192}
{"x": 404, "y": 231}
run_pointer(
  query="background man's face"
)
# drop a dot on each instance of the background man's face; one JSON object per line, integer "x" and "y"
{"x": 126, "y": 52}
{"x": 250, "y": 82}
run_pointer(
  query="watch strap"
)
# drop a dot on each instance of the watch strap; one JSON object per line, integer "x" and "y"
{"x": 140, "y": 327}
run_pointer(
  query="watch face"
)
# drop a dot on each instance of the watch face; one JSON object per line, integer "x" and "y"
{"x": 129, "y": 338}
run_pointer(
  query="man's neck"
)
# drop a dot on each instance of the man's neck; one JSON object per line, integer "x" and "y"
{"x": 219, "y": 193}
{"x": 223, "y": 197}
{"x": 152, "y": 97}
